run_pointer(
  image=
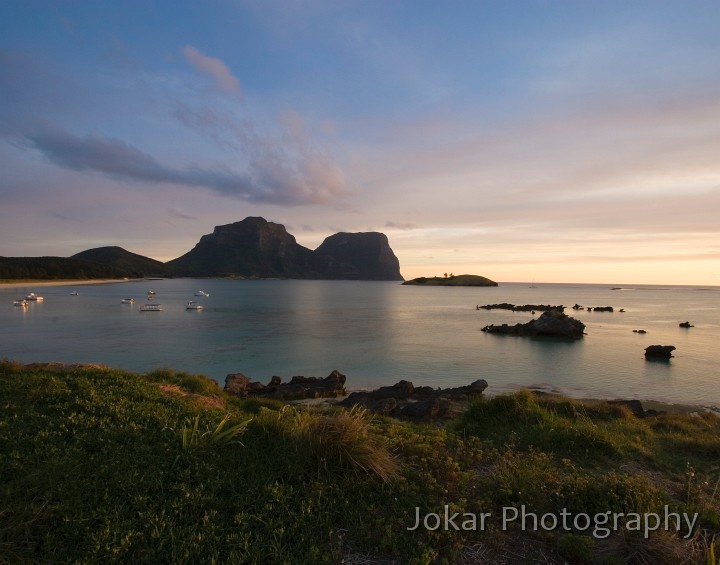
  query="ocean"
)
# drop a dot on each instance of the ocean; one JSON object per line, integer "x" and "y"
{"x": 377, "y": 333}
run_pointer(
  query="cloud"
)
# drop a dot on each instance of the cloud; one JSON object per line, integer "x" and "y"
{"x": 399, "y": 225}
{"x": 219, "y": 72}
{"x": 270, "y": 179}
{"x": 285, "y": 163}
{"x": 94, "y": 153}
{"x": 180, "y": 214}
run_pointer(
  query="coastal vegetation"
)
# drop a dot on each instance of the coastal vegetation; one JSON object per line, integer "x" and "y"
{"x": 100, "y": 465}
{"x": 452, "y": 280}
{"x": 57, "y": 268}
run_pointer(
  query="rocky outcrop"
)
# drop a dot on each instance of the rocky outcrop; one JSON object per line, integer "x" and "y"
{"x": 405, "y": 400}
{"x": 659, "y": 351}
{"x": 551, "y": 323}
{"x": 452, "y": 280}
{"x": 256, "y": 248}
{"x": 299, "y": 388}
{"x": 523, "y": 308}
{"x": 686, "y": 325}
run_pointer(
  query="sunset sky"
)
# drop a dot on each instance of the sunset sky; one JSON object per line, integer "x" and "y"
{"x": 546, "y": 141}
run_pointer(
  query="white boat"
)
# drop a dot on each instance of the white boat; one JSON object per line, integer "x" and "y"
{"x": 151, "y": 308}
{"x": 151, "y": 292}
{"x": 201, "y": 293}
{"x": 74, "y": 293}
{"x": 35, "y": 297}
{"x": 128, "y": 301}
{"x": 192, "y": 305}
{"x": 21, "y": 303}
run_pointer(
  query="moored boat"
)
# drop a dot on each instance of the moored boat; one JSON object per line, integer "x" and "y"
{"x": 151, "y": 308}
{"x": 201, "y": 293}
{"x": 128, "y": 301}
{"x": 21, "y": 303}
{"x": 192, "y": 305}
{"x": 34, "y": 297}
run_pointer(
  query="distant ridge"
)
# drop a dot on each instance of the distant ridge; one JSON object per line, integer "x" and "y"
{"x": 132, "y": 264}
{"x": 250, "y": 248}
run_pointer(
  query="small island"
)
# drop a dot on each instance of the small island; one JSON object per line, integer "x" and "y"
{"x": 453, "y": 280}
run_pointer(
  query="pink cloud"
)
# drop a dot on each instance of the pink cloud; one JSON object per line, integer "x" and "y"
{"x": 219, "y": 72}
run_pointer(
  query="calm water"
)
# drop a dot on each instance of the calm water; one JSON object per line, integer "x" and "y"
{"x": 377, "y": 333}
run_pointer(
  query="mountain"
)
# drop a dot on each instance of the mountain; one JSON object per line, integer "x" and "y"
{"x": 132, "y": 264}
{"x": 365, "y": 255}
{"x": 255, "y": 247}
{"x": 251, "y": 248}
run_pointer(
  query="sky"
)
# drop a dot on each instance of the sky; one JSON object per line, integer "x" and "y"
{"x": 544, "y": 141}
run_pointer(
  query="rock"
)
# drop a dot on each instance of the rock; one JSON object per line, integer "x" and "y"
{"x": 521, "y": 308}
{"x": 603, "y": 309}
{"x": 637, "y": 408}
{"x": 299, "y": 387}
{"x": 686, "y": 325}
{"x": 640, "y": 331}
{"x": 402, "y": 389}
{"x": 423, "y": 409}
{"x": 659, "y": 351}
{"x": 477, "y": 387}
{"x": 237, "y": 384}
{"x": 384, "y": 406}
{"x": 415, "y": 403}
{"x": 551, "y": 323}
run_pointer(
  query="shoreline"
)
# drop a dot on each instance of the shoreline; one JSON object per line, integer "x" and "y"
{"x": 647, "y": 403}
{"x": 69, "y": 282}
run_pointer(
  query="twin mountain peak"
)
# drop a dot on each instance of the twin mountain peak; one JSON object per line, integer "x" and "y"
{"x": 256, "y": 248}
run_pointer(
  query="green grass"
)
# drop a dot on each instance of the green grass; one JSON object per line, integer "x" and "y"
{"x": 103, "y": 466}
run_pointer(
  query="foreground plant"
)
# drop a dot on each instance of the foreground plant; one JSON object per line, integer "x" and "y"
{"x": 193, "y": 438}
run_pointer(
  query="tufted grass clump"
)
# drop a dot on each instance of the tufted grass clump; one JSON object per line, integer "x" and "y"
{"x": 333, "y": 442}
{"x": 193, "y": 438}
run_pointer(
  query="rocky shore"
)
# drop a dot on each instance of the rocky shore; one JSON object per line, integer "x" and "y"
{"x": 404, "y": 400}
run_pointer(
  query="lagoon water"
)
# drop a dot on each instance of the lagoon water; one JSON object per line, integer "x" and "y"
{"x": 377, "y": 333}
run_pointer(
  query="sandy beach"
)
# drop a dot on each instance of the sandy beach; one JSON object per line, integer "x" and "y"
{"x": 34, "y": 284}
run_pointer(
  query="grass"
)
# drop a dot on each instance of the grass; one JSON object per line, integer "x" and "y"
{"x": 104, "y": 466}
